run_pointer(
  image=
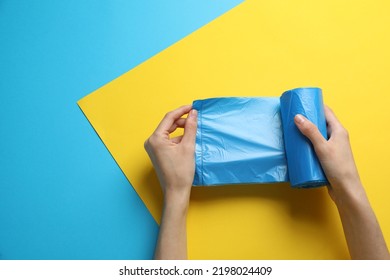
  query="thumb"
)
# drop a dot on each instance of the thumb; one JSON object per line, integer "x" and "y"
{"x": 308, "y": 129}
{"x": 190, "y": 127}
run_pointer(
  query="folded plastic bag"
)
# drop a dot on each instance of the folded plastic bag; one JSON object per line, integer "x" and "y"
{"x": 255, "y": 140}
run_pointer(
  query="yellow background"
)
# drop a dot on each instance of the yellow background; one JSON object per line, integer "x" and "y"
{"x": 262, "y": 48}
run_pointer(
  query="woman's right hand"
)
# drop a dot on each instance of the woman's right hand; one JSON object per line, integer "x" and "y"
{"x": 335, "y": 155}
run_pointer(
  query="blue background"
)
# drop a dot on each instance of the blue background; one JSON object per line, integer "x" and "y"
{"x": 62, "y": 196}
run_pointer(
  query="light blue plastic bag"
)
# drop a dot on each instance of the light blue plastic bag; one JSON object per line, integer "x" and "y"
{"x": 255, "y": 140}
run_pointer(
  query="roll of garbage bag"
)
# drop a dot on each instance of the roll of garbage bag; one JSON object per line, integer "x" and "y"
{"x": 304, "y": 168}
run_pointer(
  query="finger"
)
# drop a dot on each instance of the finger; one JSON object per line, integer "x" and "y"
{"x": 331, "y": 120}
{"x": 178, "y": 123}
{"x": 181, "y": 122}
{"x": 171, "y": 117}
{"x": 177, "y": 139}
{"x": 190, "y": 127}
{"x": 308, "y": 129}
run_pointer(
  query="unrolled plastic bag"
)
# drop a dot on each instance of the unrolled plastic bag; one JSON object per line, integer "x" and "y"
{"x": 255, "y": 140}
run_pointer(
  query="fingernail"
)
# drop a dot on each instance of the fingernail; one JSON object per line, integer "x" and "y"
{"x": 193, "y": 113}
{"x": 299, "y": 119}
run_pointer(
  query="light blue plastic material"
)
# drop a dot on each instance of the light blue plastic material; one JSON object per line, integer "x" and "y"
{"x": 254, "y": 140}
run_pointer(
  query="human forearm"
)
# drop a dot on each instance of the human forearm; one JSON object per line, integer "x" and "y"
{"x": 361, "y": 228}
{"x": 172, "y": 239}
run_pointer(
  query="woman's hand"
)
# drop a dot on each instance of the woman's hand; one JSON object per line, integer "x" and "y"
{"x": 174, "y": 162}
{"x": 335, "y": 155}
